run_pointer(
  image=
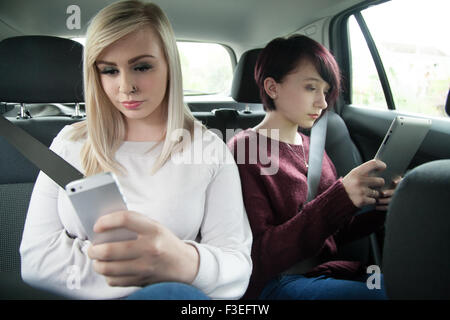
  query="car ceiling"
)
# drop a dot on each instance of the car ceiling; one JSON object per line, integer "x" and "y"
{"x": 240, "y": 24}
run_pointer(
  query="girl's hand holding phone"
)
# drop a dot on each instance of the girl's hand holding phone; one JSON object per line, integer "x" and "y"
{"x": 156, "y": 255}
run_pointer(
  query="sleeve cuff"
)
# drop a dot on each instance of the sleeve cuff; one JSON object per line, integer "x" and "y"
{"x": 340, "y": 206}
{"x": 207, "y": 270}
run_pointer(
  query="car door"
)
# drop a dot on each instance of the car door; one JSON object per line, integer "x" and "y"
{"x": 396, "y": 61}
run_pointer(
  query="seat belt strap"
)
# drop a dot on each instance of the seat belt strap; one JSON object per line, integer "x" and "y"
{"x": 316, "y": 151}
{"x": 42, "y": 157}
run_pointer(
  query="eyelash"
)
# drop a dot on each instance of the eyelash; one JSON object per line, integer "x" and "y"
{"x": 312, "y": 88}
{"x": 108, "y": 71}
{"x": 143, "y": 67}
{"x": 140, "y": 68}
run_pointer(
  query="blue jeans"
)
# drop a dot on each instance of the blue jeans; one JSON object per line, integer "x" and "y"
{"x": 298, "y": 287}
{"x": 168, "y": 291}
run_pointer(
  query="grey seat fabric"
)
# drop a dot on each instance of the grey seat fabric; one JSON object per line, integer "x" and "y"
{"x": 416, "y": 255}
{"x": 14, "y": 199}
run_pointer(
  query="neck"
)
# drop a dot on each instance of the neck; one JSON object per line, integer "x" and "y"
{"x": 287, "y": 129}
{"x": 151, "y": 128}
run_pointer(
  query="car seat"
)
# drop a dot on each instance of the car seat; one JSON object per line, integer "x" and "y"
{"x": 416, "y": 255}
{"x": 35, "y": 69}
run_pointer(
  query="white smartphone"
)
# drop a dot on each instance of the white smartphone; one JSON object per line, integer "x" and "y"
{"x": 93, "y": 197}
{"x": 400, "y": 144}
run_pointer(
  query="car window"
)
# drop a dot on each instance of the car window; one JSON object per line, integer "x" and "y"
{"x": 411, "y": 38}
{"x": 207, "y": 67}
{"x": 366, "y": 85}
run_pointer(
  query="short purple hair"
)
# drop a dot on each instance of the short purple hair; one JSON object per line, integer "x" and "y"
{"x": 282, "y": 56}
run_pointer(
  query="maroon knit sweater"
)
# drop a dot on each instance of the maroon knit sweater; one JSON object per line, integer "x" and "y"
{"x": 284, "y": 230}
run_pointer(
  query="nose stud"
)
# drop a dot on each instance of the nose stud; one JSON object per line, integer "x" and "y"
{"x": 134, "y": 89}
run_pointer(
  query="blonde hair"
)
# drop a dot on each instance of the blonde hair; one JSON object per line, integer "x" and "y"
{"x": 104, "y": 128}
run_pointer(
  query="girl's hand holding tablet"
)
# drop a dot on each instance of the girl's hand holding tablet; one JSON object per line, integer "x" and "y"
{"x": 361, "y": 186}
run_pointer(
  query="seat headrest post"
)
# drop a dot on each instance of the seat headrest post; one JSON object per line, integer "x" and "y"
{"x": 23, "y": 113}
{"x": 77, "y": 114}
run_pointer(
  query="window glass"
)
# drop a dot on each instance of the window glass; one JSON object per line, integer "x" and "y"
{"x": 206, "y": 67}
{"x": 412, "y": 39}
{"x": 366, "y": 85}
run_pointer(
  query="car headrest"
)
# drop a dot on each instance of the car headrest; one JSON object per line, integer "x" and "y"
{"x": 244, "y": 88}
{"x": 41, "y": 69}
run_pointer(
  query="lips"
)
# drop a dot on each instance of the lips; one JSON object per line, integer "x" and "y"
{"x": 313, "y": 115}
{"x": 131, "y": 105}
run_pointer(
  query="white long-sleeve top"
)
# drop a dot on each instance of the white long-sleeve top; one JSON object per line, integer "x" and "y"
{"x": 197, "y": 196}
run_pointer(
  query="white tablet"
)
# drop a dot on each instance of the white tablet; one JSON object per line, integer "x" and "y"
{"x": 402, "y": 140}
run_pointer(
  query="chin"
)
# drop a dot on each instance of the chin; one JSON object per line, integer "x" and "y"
{"x": 306, "y": 124}
{"x": 135, "y": 114}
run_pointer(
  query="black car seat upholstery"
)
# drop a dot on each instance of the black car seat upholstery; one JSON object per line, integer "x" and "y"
{"x": 416, "y": 254}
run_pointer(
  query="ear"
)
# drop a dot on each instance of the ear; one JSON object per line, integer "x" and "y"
{"x": 271, "y": 87}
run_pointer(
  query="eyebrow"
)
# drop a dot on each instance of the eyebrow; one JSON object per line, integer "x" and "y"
{"x": 129, "y": 61}
{"x": 317, "y": 80}
{"x": 313, "y": 79}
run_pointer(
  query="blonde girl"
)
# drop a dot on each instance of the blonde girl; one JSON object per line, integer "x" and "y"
{"x": 194, "y": 239}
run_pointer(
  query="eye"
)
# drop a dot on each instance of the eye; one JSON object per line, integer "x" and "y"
{"x": 143, "y": 67}
{"x": 109, "y": 71}
{"x": 310, "y": 88}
